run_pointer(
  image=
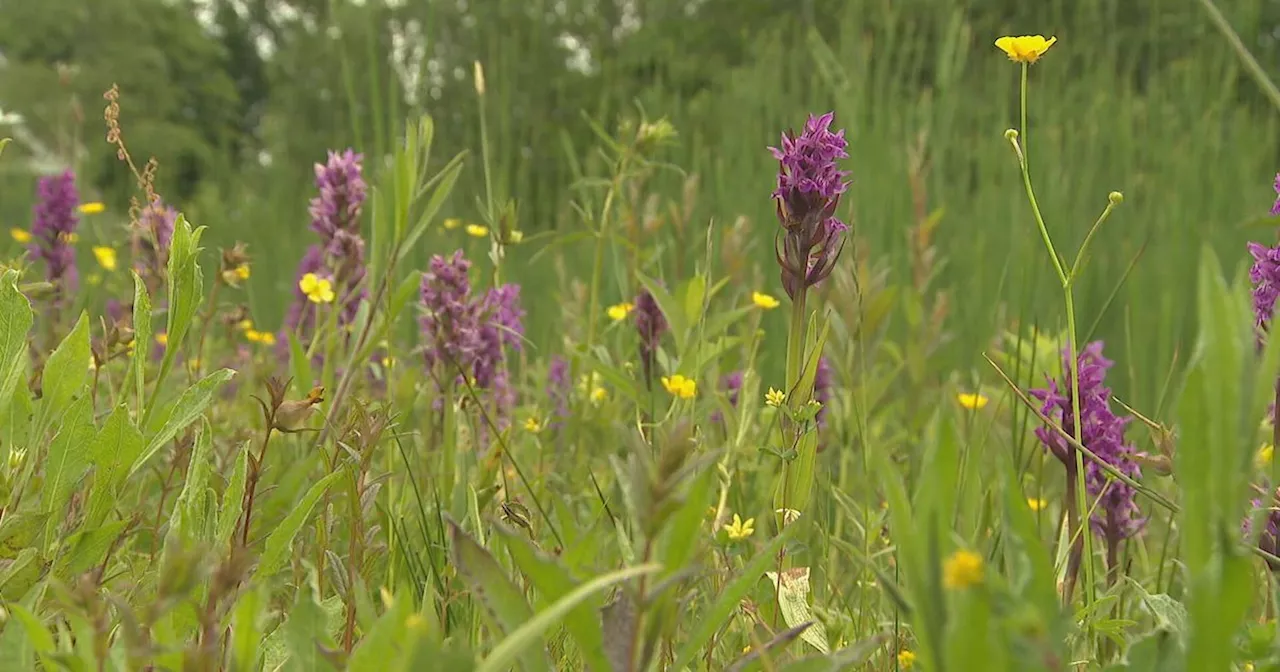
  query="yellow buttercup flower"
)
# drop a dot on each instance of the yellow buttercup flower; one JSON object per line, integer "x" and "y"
{"x": 740, "y": 529}
{"x": 317, "y": 289}
{"x": 962, "y": 570}
{"x": 906, "y": 659}
{"x": 972, "y": 402}
{"x": 20, "y": 235}
{"x": 245, "y": 324}
{"x": 619, "y": 311}
{"x": 242, "y": 271}
{"x": 598, "y": 395}
{"x": 106, "y": 257}
{"x": 1025, "y": 48}
{"x": 162, "y": 338}
{"x": 452, "y": 223}
{"x": 764, "y": 301}
{"x": 1036, "y": 503}
{"x": 91, "y": 208}
{"x": 775, "y": 398}
{"x": 477, "y": 230}
{"x": 1265, "y": 453}
{"x": 263, "y": 337}
{"x": 680, "y": 386}
{"x": 531, "y": 424}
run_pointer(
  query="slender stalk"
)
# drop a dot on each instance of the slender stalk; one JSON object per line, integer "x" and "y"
{"x": 210, "y": 307}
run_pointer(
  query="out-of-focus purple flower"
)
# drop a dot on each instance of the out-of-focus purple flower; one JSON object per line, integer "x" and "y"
{"x": 731, "y": 383}
{"x": 651, "y": 324}
{"x": 1265, "y": 276}
{"x": 822, "y": 389}
{"x": 558, "y": 389}
{"x": 808, "y": 192}
{"x": 151, "y": 240}
{"x": 54, "y": 221}
{"x": 1117, "y": 517}
{"x": 342, "y": 193}
{"x": 115, "y": 310}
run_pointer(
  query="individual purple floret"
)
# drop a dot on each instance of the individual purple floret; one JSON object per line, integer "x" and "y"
{"x": 1275, "y": 207}
{"x": 1117, "y": 516}
{"x": 54, "y": 221}
{"x": 558, "y": 389}
{"x": 1265, "y": 277}
{"x": 822, "y": 389}
{"x": 808, "y": 192}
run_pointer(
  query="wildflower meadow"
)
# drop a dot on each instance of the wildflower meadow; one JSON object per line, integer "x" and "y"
{"x": 438, "y": 414}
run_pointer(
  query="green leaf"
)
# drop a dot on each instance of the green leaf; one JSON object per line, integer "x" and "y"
{"x": 552, "y": 582}
{"x": 304, "y": 631}
{"x": 39, "y": 636}
{"x": 276, "y": 551}
{"x": 695, "y": 296}
{"x": 88, "y": 548}
{"x": 66, "y": 376}
{"x": 16, "y": 319}
{"x": 4, "y": 142}
{"x": 189, "y": 406}
{"x": 141, "y": 339}
{"x": 186, "y": 521}
{"x": 717, "y": 615}
{"x": 233, "y": 498}
{"x": 506, "y": 653}
{"x": 25, "y": 557}
{"x": 186, "y": 291}
{"x": 114, "y": 448}
{"x": 503, "y": 601}
{"x": 67, "y": 460}
{"x": 753, "y": 659}
{"x": 379, "y": 644}
{"x": 445, "y": 180}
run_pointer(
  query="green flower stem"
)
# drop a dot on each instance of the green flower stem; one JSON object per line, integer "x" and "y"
{"x": 1081, "y": 503}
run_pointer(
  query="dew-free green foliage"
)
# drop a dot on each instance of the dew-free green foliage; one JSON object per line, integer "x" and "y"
{"x": 187, "y": 486}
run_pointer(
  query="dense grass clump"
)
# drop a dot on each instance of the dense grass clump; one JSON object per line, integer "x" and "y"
{"x": 706, "y": 458}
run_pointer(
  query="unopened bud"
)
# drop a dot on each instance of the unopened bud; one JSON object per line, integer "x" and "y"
{"x": 1011, "y": 134}
{"x": 479, "y": 75}
{"x": 1115, "y": 197}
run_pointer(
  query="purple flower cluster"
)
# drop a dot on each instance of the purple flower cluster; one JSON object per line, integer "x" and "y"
{"x": 1117, "y": 516}
{"x": 822, "y": 389}
{"x": 53, "y": 223}
{"x": 1265, "y": 276}
{"x": 339, "y": 256}
{"x": 809, "y": 187}
{"x": 651, "y": 324}
{"x": 1269, "y": 537}
{"x": 468, "y": 333}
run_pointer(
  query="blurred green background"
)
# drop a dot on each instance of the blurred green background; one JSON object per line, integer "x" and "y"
{"x": 238, "y": 98}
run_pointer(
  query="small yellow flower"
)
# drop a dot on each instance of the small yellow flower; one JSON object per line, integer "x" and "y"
{"x": 1037, "y": 503}
{"x": 388, "y": 362}
{"x": 598, "y": 395}
{"x": 775, "y": 398}
{"x": 317, "y": 289}
{"x": 1025, "y": 48}
{"x": 266, "y": 338}
{"x": 242, "y": 271}
{"x": 515, "y": 237}
{"x": 22, "y": 236}
{"x": 906, "y": 659}
{"x": 531, "y": 424}
{"x": 245, "y": 325}
{"x": 619, "y": 312}
{"x": 477, "y": 230}
{"x": 972, "y": 402}
{"x": 452, "y": 223}
{"x": 740, "y": 529}
{"x": 764, "y": 301}
{"x": 1265, "y": 453}
{"x": 71, "y": 238}
{"x": 91, "y": 208}
{"x": 162, "y": 338}
{"x": 106, "y": 257}
{"x": 962, "y": 570}
{"x": 680, "y": 386}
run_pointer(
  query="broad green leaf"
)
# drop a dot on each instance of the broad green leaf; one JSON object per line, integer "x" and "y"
{"x": 379, "y": 644}
{"x": 25, "y": 557}
{"x": 233, "y": 498}
{"x": 186, "y": 291}
{"x": 189, "y": 407}
{"x": 115, "y": 447}
{"x": 552, "y": 582}
{"x": 711, "y": 620}
{"x": 67, "y": 460}
{"x": 247, "y": 620}
{"x": 39, "y": 636}
{"x": 446, "y": 178}
{"x": 88, "y": 548}
{"x": 530, "y": 633}
{"x": 304, "y": 631}
{"x": 695, "y": 295}
{"x": 65, "y": 376}
{"x": 276, "y": 551}
{"x": 503, "y": 601}
{"x": 793, "y": 601}
{"x": 186, "y": 521}
{"x": 16, "y": 319}
{"x": 141, "y": 339}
